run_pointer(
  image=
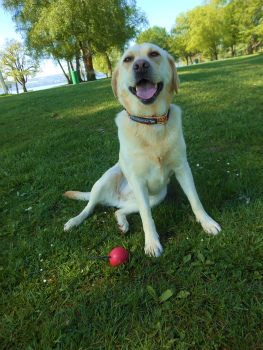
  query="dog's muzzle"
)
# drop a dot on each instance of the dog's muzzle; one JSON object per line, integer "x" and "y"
{"x": 145, "y": 89}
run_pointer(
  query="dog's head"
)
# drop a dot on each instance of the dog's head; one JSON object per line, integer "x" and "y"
{"x": 145, "y": 79}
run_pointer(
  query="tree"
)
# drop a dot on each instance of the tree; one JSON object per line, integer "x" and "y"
{"x": 105, "y": 63}
{"x": 16, "y": 63}
{"x": 155, "y": 35}
{"x": 73, "y": 27}
{"x": 251, "y": 22}
{"x": 206, "y": 29}
{"x": 180, "y": 38}
{"x": 231, "y": 20}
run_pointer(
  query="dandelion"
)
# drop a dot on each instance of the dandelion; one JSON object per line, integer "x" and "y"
{"x": 45, "y": 281}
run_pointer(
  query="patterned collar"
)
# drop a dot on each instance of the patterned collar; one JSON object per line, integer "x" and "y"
{"x": 162, "y": 120}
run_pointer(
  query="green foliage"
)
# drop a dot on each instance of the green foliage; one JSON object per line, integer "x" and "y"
{"x": 252, "y": 23}
{"x": 155, "y": 35}
{"x": 66, "y": 28}
{"x": 163, "y": 297}
{"x": 100, "y": 62}
{"x": 54, "y": 297}
{"x": 206, "y": 29}
{"x": 216, "y": 25}
{"x": 16, "y": 64}
{"x": 180, "y": 37}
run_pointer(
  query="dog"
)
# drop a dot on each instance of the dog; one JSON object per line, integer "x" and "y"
{"x": 152, "y": 146}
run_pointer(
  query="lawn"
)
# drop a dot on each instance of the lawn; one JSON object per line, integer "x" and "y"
{"x": 204, "y": 292}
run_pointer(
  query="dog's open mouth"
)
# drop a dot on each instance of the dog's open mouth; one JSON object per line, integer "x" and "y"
{"x": 146, "y": 90}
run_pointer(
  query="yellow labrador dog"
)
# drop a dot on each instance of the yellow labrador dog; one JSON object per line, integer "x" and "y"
{"x": 152, "y": 146}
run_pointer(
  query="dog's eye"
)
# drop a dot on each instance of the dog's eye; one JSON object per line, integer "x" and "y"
{"x": 154, "y": 54}
{"x": 127, "y": 59}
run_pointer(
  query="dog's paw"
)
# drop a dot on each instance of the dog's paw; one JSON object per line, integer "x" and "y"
{"x": 153, "y": 248}
{"x": 71, "y": 223}
{"x": 210, "y": 226}
{"x": 124, "y": 227}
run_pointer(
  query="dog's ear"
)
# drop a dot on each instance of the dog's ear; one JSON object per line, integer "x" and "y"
{"x": 114, "y": 81}
{"x": 176, "y": 80}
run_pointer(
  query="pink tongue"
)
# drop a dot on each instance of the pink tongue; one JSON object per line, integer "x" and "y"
{"x": 146, "y": 90}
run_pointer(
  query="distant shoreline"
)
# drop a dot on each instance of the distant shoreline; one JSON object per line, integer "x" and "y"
{"x": 42, "y": 83}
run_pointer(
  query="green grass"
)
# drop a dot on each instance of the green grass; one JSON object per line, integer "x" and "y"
{"x": 54, "y": 297}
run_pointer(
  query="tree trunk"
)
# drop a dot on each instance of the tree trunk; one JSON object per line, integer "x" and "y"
{"x": 69, "y": 70}
{"x": 84, "y": 58}
{"x": 71, "y": 65}
{"x": 87, "y": 60}
{"x": 78, "y": 69}
{"x": 215, "y": 54}
{"x": 4, "y": 87}
{"x": 109, "y": 65}
{"x": 233, "y": 51}
{"x": 24, "y": 87}
{"x": 68, "y": 79}
{"x": 91, "y": 72}
{"x": 23, "y": 83}
{"x": 17, "y": 91}
{"x": 250, "y": 48}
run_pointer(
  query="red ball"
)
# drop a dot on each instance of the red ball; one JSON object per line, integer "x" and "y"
{"x": 118, "y": 256}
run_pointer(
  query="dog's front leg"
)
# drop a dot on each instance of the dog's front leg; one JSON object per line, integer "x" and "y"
{"x": 141, "y": 194}
{"x": 184, "y": 176}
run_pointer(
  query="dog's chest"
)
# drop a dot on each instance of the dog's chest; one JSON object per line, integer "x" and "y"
{"x": 155, "y": 162}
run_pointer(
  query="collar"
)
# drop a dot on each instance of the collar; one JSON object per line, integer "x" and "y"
{"x": 163, "y": 119}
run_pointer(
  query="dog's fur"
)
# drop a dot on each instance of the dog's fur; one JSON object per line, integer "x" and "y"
{"x": 149, "y": 154}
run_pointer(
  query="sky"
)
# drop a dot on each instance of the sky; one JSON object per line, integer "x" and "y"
{"x": 159, "y": 12}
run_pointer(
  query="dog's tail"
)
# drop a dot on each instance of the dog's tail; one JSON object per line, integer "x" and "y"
{"x": 83, "y": 196}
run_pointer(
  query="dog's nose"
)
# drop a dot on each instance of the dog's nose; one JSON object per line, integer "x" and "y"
{"x": 140, "y": 66}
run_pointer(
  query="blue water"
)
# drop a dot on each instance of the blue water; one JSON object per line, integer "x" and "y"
{"x": 42, "y": 83}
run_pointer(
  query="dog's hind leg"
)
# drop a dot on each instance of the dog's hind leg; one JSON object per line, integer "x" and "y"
{"x": 94, "y": 199}
{"x": 103, "y": 192}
